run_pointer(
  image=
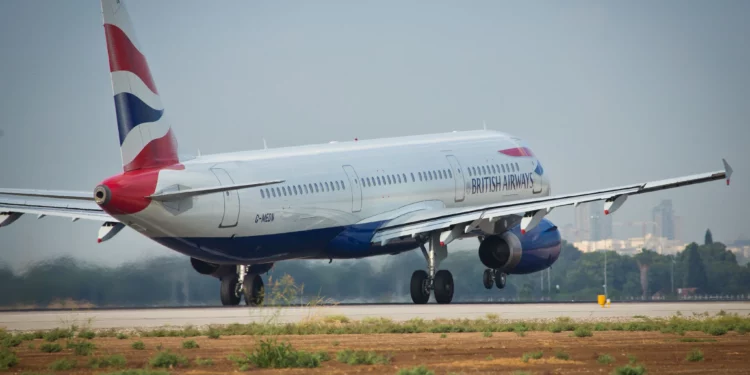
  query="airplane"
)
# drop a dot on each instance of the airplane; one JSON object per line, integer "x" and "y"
{"x": 236, "y": 214}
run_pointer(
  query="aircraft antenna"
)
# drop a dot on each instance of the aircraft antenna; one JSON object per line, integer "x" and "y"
{"x": 484, "y": 125}
{"x": 265, "y": 146}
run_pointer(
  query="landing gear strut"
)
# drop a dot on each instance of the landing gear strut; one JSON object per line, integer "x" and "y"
{"x": 441, "y": 282}
{"x": 496, "y": 277}
{"x": 242, "y": 284}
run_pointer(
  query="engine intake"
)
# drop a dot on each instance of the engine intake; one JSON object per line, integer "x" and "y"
{"x": 501, "y": 252}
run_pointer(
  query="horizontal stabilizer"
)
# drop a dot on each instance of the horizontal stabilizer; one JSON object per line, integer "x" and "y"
{"x": 182, "y": 194}
{"x": 75, "y": 195}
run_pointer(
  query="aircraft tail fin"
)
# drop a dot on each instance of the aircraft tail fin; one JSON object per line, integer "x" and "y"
{"x": 146, "y": 137}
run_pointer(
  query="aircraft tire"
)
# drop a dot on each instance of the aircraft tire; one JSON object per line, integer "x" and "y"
{"x": 500, "y": 279}
{"x": 443, "y": 285}
{"x": 253, "y": 290}
{"x": 487, "y": 278}
{"x": 419, "y": 293}
{"x": 229, "y": 295}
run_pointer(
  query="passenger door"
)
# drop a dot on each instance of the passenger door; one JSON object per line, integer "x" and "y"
{"x": 458, "y": 177}
{"x": 231, "y": 199}
{"x": 354, "y": 187}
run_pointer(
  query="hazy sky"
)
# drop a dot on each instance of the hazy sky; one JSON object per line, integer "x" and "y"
{"x": 607, "y": 93}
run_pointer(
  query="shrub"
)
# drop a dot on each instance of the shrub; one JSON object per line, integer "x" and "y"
{"x": 443, "y": 335}
{"x": 50, "y": 347}
{"x": 605, "y": 359}
{"x": 715, "y": 330}
{"x": 213, "y": 333}
{"x": 361, "y": 357}
{"x": 81, "y": 347}
{"x": 419, "y": 370}
{"x": 487, "y": 334}
{"x": 121, "y": 336}
{"x": 86, "y": 334}
{"x": 168, "y": 360}
{"x": 116, "y": 360}
{"x": 562, "y": 355}
{"x": 190, "y": 344}
{"x": 695, "y": 356}
{"x": 532, "y": 355}
{"x": 8, "y": 359}
{"x": 630, "y": 370}
{"x": 10, "y": 341}
{"x": 204, "y": 361}
{"x": 270, "y": 354}
{"x": 138, "y": 345}
{"x": 58, "y": 333}
{"x": 138, "y": 372}
{"x": 582, "y": 332}
{"x": 62, "y": 364}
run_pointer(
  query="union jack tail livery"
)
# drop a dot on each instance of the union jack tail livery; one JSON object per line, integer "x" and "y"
{"x": 146, "y": 137}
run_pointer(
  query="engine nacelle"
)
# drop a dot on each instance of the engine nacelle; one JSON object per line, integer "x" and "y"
{"x": 215, "y": 270}
{"x": 511, "y": 252}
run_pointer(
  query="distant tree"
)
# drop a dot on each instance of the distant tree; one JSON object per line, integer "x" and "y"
{"x": 695, "y": 270}
{"x": 645, "y": 259}
{"x": 709, "y": 237}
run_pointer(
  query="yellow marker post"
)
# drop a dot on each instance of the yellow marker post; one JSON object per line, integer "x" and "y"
{"x": 601, "y": 299}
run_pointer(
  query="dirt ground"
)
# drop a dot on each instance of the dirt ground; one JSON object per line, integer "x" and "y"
{"x": 456, "y": 353}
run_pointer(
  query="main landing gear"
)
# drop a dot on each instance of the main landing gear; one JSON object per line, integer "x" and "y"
{"x": 441, "y": 282}
{"x": 242, "y": 284}
{"x": 495, "y": 277}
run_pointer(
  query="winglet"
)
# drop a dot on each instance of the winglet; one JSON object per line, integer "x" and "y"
{"x": 727, "y": 170}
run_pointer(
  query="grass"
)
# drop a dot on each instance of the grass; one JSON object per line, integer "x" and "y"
{"x": 487, "y": 334}
{"x": 116, "y": 360}
{"x": 361, "y": 357}
{"x": 8, "y": 359}
{"x": 419, "y": 370}
{"x": 443, "y": 335}
{"x": 138, "y": 345}
{"x": 57, "y": 334}
{"x": 137, "y": 372}
{"x": 168, "y": 360}
{"x": 204, "y": 361}
{"x": 605, "y": 359}
{"x": 62, "y": 364}
{"x": 190, "y": 344}
{"x": 695, "y": 355}
{"x": 121, "y": 336}
{"x": 339, "y": 325}
{"x": 693, "y": 339}
{"x": 532, "y": 355}
{"x": 582, "y": 332}
{"x": 50, "y": 347}
{"x": 270, "y": 354}
{"x": 562, "y": 355}
{"x": 81, "y": 347}
{"x": 10, "y": 341}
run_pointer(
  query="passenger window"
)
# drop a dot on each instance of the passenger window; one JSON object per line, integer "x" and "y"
{"x": 473, "y": 170}
{"x": 327, "y": 187}
{"x": 404, "y": 175}
{"x": 274, "y": 193}
{"x": 432, "y": 175}
{"x": 470, "y": 174}
{"x": 445, "y": 173}
{"x": 294, "y": 188}
{"x": 343, "y": 187}
{"x": 503, "y": 167}
{"x": 393, "y": 177}
{"x": 284, "y": 189}
{"x": 518, "y": 168}
{"x": 306, "y": 191}
{"x": 484, "y": 171}
{"x": 338, "y": 187}
{"x": 493, "y": 169}
{"x": 420, "y": 175}
{"x": 262, "y": 194}
{"x": 316, "y": 188}
{"x": 389, "y": 179}
{"x": 378, "y": 178}
{"x": 399, "y": 178}
{"x": 412, "y": 177}
{"x": 278, "y": 191}
{"x": 363, "y": 182}
{"x": 450, "y": 175}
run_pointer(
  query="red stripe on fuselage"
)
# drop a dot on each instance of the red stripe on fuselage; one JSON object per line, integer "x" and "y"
{"x": 123, "y": 55}
{"x": 160, "y": 152}
{"x": 518, "y": 151}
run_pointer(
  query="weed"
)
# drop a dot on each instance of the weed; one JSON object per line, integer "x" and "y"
{"x": 81, "y": 347}
{"x": 167, "y": 360}
{"x": 8, "y": 359}
{"x": 605, "y": 359}
{"x": 336, "y": 319}
{"x": 336, "y": 343}
{"x": 116, "y": 360}
{"x": 190, "y": 344}
{"x": 270, "y": 354}
{"x": 360, "y": 357}
{"x": 562, "y": 355}
{"x": 138, "y": 345}
{"x": 58, "y": 333}
{"x": 121, "y": 336}
{"x": 86, "y": 334}
{"x": 50, "y": 347}
{"x": 419, "y": 370}
{"x": 582, "y": 332}
{"x": 532, "y": 355}
{"x": 632, "y": 359}
{"x": 695, "y": 356}
{"x": 10, "y": 341}
{"x": 62, "y": 364}
{"x": 204, "y": 361}
{"x": 138, "y": 372}
{"x": 630, "y": 370}
{"x": 487, "y": 334}
{"x": 715, "y": 330}
{"x": 492, "y": 317}
{"x": 490, "y": 357}
{"x": 443, "y": 335}
{"x": 31, "y": 346}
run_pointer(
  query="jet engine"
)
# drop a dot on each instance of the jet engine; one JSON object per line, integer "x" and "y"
{"x": 513, "y": 252}
{"x": 215, "y": 270}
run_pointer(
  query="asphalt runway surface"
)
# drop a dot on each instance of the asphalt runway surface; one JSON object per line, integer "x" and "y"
{"x": 200, "y": 317}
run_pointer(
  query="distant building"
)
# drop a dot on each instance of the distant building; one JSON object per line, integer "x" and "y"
{"x": 632, "y": 245}
{"x": 663, "y": 217}
{"x": 591, "y": 224}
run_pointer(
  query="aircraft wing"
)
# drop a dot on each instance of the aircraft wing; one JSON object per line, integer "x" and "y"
{"x": 454, "y": 223}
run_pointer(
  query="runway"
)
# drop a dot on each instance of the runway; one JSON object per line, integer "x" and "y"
{"x": 199, "y": 317}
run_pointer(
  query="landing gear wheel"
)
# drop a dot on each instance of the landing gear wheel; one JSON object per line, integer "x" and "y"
{"x": 443, "y": 285}
{"x": 420, "y": 293}
{"x": 488, "y": 278}
{"x": 253, "y": 290}
{"x": 229, "y": 291}
{"x": 500, "y": 279}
